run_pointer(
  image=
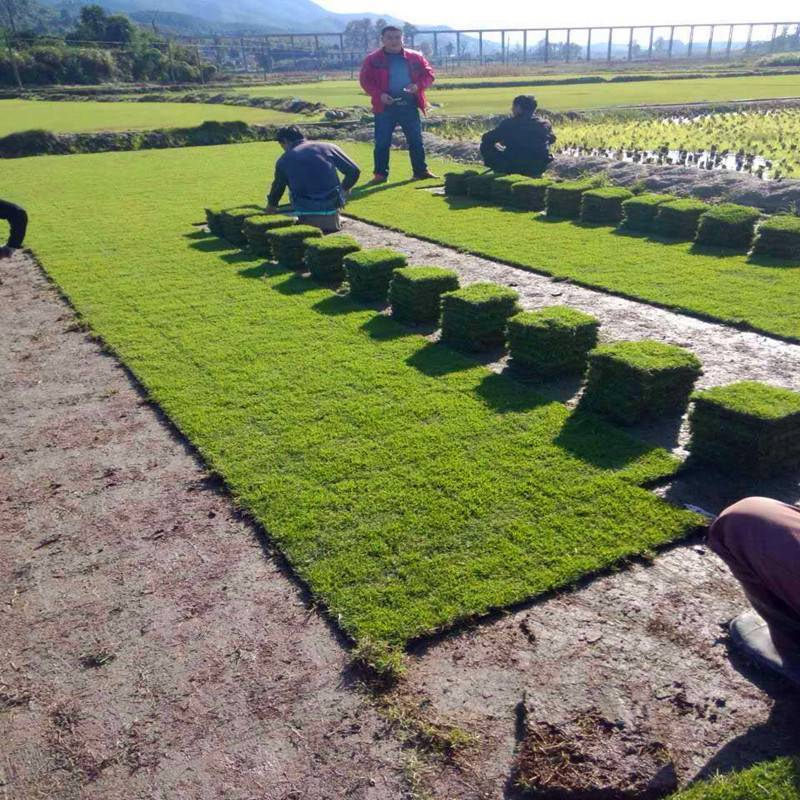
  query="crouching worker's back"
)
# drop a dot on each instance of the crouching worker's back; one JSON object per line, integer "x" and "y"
{"x": 311, "y": 171}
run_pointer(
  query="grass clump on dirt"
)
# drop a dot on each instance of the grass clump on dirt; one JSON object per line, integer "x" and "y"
{"x": 475, "y": 318}
{"x": 415, "y": 293}
{"x": 369, "y": 272}
{"x": 769, "y": 780}
{"x": 288, "y": 244}
{"x": 728, "y": 225}
{"x": 678, "y": 219}
{"x": 779, "y": 237}
{"x": 324, "y": 257}
{"x": 747, "y": 427}
{"x": 407, "y": 486}
{"x": 632, "y": 381}
{"x": 480, "y": 186}
{"x": 530, "y": 194}
{"x": 256, "y": 228}
{"x": 564, "y": 199}
{"x": 455, "y": 183}
{"x": 553, "y": 341}
{"x": 639, "y": 212}
{"x": 502, "y": 188}
{"x": 604, "y": 205}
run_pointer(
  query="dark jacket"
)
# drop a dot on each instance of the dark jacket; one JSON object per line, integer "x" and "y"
{"x": 309, "y": 169}
{"x": 527, "y": 140}
{"x": 17, "y": 219}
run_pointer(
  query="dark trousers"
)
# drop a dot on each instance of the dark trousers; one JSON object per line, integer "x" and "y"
{"x": 17, "y": 219}
{"x": 407, "y": 117}
{"x": 499, "y": 161}
{"x": 759, "y": 539}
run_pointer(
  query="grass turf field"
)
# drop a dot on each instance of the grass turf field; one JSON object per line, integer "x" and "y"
{"x": 408, "y": 486}
{"x": 74, "y": 117}
{"x": 770, "y": 780}
{"x": 573, "y": 97}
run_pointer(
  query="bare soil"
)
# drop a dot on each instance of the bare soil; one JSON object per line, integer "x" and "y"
{"x": 152, "y": 645}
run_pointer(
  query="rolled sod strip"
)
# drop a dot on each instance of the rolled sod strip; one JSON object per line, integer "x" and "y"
{"x": 551, "y": 342}
{"x": 564, "y": 199}
{"x": 639, "y": 212}
{"x": 324, "y": 257}
{"x": 369, "y": 273}
{"x": 455, "y": 183}
{"x": 779, "y": 237}
{"x": 728, "y": 225}
{"x": 679, "y": 219}
{"x": 232, "y": 220}
{"x": 288, "y": 244}
{"x": 629, "y": 382}
{"x": 475, "y": 318}
{"x": 255, "y": 230}
{"x": 530, "y": 194}
{"x": 415, "y": 293}
{"x": 749, "y": 428}
{"x": 604, "y": 205}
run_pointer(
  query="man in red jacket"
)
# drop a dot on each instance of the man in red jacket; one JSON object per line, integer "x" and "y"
{"x": 396, "y": 80}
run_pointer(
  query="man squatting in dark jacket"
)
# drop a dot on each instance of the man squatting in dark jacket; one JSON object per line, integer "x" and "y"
{"x": 525, "y": 139}
{"x": 311, "y": 171}
{"x": 18, "y": 220}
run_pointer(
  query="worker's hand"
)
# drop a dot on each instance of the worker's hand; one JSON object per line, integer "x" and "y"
{"x": 412, "y": 88}
{"x": 272, "y": 210}
{"x": 6, "y": 252}
{"x": 386, "y": 99}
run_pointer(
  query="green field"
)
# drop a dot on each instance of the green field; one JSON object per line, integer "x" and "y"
{"x": 407, "y": 485}
{"x": 73, "y": 117}
{"x": 557, "y": 98}
{"x": 771, "y": 780}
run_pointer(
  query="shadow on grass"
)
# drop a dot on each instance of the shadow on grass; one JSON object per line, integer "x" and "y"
{"x": 504, "y": 395}
{"x": 211, "y": 244}
{"x": 383, "y": 328}
{"x": 295, "y": 284}
{"x": 562, "y": 389}
{"x": 436, "y": 359}
{"x": 336, "y": 305}
{"x": 712, "y": 251}
{"x": 366, "y": 190}
{"x": 266, "y": 269}
{"x": 773, "y": 263}
{"x": 201, "y": 234}
{"x": 239, "y": 257}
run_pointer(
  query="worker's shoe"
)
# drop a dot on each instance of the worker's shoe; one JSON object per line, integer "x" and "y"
{"x": 423, "y": 176}
{"x": 377, "y": 178}
{"x": 750, "y": 633}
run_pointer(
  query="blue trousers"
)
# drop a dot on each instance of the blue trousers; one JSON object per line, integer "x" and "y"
{"x": 407, "y": 117}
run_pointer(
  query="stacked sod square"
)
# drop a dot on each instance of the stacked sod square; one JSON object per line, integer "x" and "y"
{"x": 551, "y": 342}
{"x": 455, "y": 183}
{"x": 604, "y": 205}
{"x": 639, "y": 212}
{"x": 369, "y": 273}
{"x": 678, "y": 219}
{"x": 415, "y": 293}
{"x": 728, "y": 225}
{"x": 747, "y": 427}
{"x": 288, "y": 245}
{"x": 214, "y": 220}
{"x": 255, "y": 230}
{"x": 475, "y": 318}
{"x": 779, "y": 237}
{"x": 502, "y": 188}
{"x": 324, "y": 257}
{"x": 564, "y": 199}
{"x": 633, "y": 381}
{"x": 480, "y": 186}
{"x": 231, "y": 222}
{"x": 530, "y": 194}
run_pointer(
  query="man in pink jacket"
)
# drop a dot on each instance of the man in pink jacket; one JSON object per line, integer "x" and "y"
{"x": 396, "y": 79}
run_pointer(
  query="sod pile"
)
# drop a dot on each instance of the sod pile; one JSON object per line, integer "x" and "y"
{"x": 502, "y": 188}
{"x": 369, "y": 272}
{"x": 728, "y": 225}
{"x": 323, "y": 257}
{"x": 255, "y": 230}
{"x": 632, "y": 381}
{"x": 747, "y": 427}
{"x": 779, "y": 236}
{"x": 530, "y": 194}
{"x": 480, "y": 186}
{"x": 455, "y": 183}
{"x": 564, "y": 199}
{"x": 475, "y": 318}
{"x": 678, "y": 219}
{"x": 288, "y": 244}
{"x": 214, "y": 219}
{"x": 639, "y": 212}
{"x": 415, "y": 293}
{"x": 553, "y": 341}
{"x": 232, "y": 219}
{"x": 604, "y": 205}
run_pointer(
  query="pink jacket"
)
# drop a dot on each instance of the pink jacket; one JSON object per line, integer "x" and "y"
{"x": 374, "y": 76}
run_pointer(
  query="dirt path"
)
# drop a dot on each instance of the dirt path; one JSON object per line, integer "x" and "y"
{"x": 149, "y": 646}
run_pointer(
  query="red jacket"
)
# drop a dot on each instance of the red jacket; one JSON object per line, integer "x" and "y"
{"x": 374, "y": 76}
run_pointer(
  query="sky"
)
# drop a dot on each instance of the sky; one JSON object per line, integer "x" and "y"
{"x": 461, "y": 14}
